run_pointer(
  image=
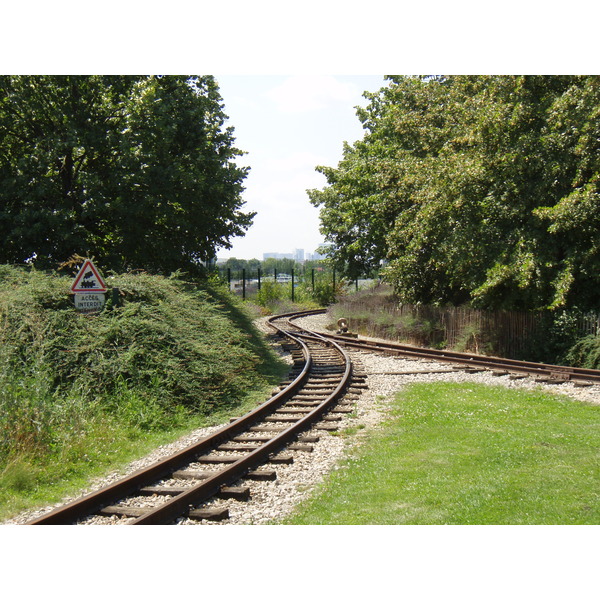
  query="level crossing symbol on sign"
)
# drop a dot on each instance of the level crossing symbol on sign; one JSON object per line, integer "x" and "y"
{"x": 88, "y": 280}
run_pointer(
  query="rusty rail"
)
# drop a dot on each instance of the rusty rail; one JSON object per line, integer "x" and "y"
{"x": 179, "y": 505}
{"x": 552, "y": 372}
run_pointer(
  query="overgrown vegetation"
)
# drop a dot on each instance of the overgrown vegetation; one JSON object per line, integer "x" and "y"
{"x": 586, "y": 353}
{"x": 275, "y": 298}
{"x": 168, "y": 356}
{"x": 374, "y": 312}
{"x": 465, "y": 454}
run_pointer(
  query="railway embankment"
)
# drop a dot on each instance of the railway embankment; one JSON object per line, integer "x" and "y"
{"x": 81, "y": 395}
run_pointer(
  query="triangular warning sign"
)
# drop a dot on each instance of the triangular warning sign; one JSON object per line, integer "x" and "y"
{"x": 88, "y": 280}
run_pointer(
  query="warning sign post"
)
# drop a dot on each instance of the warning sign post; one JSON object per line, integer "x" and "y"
{"x": 89, "y": 302}
{"x": 88, "y": 280}
{"x": 89, "y": 289}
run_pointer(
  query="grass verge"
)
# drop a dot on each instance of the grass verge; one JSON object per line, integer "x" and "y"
{"x": 464, "y": 454}
{"x": 107, "y": 443}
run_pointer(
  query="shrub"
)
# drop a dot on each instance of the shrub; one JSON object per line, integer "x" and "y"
{"x": 323, "y": 293}
{"x": 167, "y": 348}
{"x": 270, "y": 294}
{"x": 585, "y": 353}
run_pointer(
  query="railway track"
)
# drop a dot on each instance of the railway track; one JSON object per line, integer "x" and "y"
{"x": 220, "y": 465}
{"x": 320, "y": 388}
{"x": 544, "y": 373}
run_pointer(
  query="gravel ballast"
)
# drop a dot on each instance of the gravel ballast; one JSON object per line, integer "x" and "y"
{"x": 274, "y": 500}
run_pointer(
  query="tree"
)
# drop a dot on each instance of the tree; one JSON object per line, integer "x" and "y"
{"x": 237, "y": 264}
{"x": 281, "y": 265}
{"x": 138, "y": 171}
{"x": 573, "y": 221}
{"x": 378, "y": 175}
{"x": 475, "y": 189}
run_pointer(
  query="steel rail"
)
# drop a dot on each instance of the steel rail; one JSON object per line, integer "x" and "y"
{"x": 463, "y": 358}
{"x": 96, "y": 500}
{"x": 178, "y": 505}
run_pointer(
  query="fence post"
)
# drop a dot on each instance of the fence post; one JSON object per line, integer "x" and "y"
{"x": 243, "y": 284}
{"x": 229, "y": 278}
{"x": 313, "y": 280}
{"x": 259, "y": 279}
{"x": 292, "y": 285}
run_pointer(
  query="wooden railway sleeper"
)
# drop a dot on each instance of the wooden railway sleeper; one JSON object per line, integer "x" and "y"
{"x": 239, "y": 493}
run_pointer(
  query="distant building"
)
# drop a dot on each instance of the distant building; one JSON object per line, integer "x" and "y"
{"x": 290, "y": 255}
{"x": 299, "y": 255}
{"x": 321, "y": 252}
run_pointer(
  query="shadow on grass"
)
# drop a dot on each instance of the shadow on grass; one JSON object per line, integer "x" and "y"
{"x": 269, "y": 365}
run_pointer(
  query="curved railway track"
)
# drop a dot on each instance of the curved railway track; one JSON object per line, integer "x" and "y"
{"x": 545, "y": 373}
{"x": 218, "y": 465}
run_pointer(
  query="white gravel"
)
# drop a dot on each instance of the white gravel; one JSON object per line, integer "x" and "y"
{"x": 274, "y": 500}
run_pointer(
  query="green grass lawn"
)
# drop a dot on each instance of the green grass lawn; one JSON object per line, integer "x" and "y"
{"x": 470, "y": 454}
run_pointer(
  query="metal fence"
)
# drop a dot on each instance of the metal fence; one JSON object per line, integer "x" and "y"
{"x": 246, "y": 282}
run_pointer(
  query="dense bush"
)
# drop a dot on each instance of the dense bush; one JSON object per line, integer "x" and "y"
{"x": 271, "y": 294}
{"x": 166, "y": 348}
{"x": 558, "y": 332}
{"x": 586, "y": 353}
{"x": 324, "y": 292}
{"x": 275, "y": 297}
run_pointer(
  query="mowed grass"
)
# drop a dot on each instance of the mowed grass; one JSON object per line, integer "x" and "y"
{"x": 470, "y": 454}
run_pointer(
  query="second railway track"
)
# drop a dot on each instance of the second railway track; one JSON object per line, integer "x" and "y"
{"x": 546, "y": 373}
{"x": 184, "y": 485}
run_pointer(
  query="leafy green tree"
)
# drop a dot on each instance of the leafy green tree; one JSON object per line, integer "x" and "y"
{"x": 377, "y": 177}
{"x": 470, "y": 234}
{"x": 281, "y": 265}
{"x": 235, "y": 264}
{"x": 138, "y": 171}
{"x": 480, "y": 189}
{"x": 573, "y": 221}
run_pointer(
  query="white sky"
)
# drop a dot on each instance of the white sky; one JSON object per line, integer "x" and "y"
{"x": 288, "y": 125}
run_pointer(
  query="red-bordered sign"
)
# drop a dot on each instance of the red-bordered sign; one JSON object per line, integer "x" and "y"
{"x": 88, "y": 280}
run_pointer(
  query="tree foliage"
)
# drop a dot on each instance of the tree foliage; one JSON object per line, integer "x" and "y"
{"x": 136, "y": 170}
{"x": 479, "y": 189}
